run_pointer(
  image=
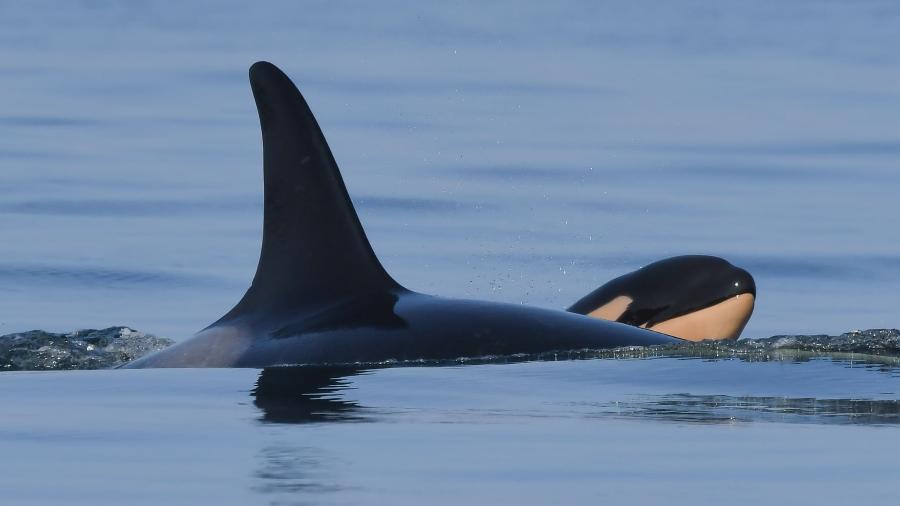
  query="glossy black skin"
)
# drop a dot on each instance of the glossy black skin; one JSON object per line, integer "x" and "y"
{"x": 670, "y": 288}
{"x": 417, "y": 327}
{"x": 320, "y": 296}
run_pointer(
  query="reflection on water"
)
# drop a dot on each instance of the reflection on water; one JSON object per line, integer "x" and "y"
{"x": 495, "y": 421}
{"x": 306, "y": 394}
{"x": 294, "y": 470}
{"x": 717, "y": 409}
{"x": 529, "y": 433}
{"x": 316, "y": 394}
{"x": 301, "y": 395}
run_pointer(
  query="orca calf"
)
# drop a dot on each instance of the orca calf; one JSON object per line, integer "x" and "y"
{"x": 320, "y": 296}
{"x": 694, "y": 297}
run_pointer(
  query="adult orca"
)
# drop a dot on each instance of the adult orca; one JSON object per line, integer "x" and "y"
{"x": 320, "y": 296}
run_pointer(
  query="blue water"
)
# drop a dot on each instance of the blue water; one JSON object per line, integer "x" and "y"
{"x": 510, "y": 152}
{"x": 516, "y": 153}
{"x": 548, "y": 432}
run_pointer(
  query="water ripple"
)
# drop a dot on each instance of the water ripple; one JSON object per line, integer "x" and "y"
{"x": 726, "y": 409}
{"x": 125, "y": 207}
{"x": 798, "y": 148}
{"x": 94, "y": 277}
{"x": 47, "y": 121}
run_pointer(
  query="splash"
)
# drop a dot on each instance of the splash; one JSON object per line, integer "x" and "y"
{"x": 114, "y": 346}
{"x": 873, "y": 343}
{"x": 37, "y": 350}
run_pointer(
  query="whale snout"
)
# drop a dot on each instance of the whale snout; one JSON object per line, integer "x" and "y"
{"x": 694, "y": 297}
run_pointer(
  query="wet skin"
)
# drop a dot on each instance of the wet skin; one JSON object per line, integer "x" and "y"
{"x": 321, "y": 296}
{"x": 693, "y": 297}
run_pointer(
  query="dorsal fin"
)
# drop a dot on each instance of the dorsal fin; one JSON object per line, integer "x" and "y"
{"x": 314, "y": 250}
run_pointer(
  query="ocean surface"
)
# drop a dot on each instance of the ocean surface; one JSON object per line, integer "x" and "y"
{"x": 636, "y": 431}
{"x": 515, "y": 152}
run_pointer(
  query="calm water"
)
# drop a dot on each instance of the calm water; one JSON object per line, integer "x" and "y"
{"x": 505, "y": 152}
{"x": 628, "y": 431}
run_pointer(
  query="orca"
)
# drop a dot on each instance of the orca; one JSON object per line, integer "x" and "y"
{"x": 694, "y": 297}
{"x": 320, "y": 296}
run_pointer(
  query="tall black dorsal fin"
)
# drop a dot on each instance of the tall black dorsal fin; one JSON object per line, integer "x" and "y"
{"x": 314, "y": 250}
